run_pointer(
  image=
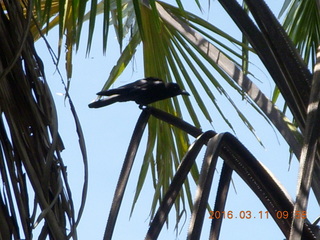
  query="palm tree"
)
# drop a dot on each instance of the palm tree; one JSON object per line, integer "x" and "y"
{"x": 175, "y": 39}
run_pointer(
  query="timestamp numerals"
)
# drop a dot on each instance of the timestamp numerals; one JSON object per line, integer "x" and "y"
{"x": 221, "y": 214}
{"x": 259, "y": 215}
{"x": 287, "y": 214}
{"x": 240, "y": 215}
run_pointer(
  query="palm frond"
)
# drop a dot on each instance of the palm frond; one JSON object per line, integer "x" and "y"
{"x": 301, "y": 24}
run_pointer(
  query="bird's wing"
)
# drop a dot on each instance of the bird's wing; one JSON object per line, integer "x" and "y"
{"x": 141, "y": 84}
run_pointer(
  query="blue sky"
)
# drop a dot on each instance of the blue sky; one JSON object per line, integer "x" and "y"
{"x": 108, "y": 130}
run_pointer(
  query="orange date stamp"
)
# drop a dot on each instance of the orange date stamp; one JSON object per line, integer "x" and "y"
{"x": 256, "y": 215}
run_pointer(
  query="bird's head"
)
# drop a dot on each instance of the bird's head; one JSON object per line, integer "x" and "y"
{"x": 174, "y": 90}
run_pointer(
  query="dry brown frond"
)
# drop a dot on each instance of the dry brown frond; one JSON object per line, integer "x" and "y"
{"x": 30, "y": 144}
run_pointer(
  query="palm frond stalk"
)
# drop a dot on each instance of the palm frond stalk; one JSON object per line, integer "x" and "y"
{"x": 237, "y": 158}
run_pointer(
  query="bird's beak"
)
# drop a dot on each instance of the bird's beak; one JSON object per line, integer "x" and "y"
{"x": 183, "y": 92}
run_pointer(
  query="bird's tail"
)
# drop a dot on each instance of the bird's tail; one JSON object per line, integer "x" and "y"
{"x": 103, "y": 102}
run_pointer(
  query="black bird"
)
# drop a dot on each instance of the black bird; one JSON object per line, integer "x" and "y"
{"x": 143, "y": 92}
